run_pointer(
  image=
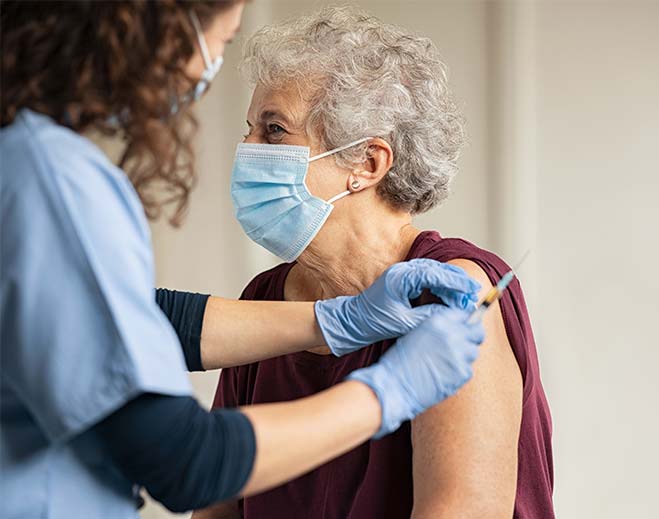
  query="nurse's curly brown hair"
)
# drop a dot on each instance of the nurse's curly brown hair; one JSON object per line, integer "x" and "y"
{"x": 113, "y": 67}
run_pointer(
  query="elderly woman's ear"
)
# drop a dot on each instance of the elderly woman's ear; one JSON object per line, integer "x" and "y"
{"x": 379, "y": 159}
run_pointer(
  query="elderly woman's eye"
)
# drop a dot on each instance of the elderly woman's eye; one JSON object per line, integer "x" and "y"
{"x": 275, "y": 129}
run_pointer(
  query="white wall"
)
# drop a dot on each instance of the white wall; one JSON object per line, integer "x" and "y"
{"x": 598, "y": 236}
{"x": 562, "y": 104}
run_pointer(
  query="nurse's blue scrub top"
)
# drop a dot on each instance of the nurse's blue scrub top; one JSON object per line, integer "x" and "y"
{"x": 81, "y": 333}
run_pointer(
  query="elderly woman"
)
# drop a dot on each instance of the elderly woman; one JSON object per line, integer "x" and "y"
{"x": 376, "y": 97}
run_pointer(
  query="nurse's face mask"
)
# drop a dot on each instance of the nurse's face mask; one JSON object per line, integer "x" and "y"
{"x": 272, "y": 202}
{"x": 211, "y": 68}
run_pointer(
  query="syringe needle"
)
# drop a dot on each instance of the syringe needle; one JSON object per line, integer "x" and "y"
{"x": 496, "y": 292}
{"x": 519, "y": 263}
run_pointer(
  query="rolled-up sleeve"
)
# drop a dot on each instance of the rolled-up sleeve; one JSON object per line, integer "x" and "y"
{"x": 185, "y": 311}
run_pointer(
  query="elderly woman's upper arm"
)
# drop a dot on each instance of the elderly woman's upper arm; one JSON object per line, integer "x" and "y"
{"x": 465, "y": 449}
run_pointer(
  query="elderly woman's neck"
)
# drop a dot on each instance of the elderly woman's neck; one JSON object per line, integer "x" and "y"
{"x": 351, "y": 253}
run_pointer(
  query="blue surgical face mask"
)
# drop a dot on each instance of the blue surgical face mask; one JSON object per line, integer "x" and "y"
{"x": 272, "y": 202}
{"x": 211, "y": 68}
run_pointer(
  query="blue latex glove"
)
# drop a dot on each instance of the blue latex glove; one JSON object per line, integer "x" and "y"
{"x": 383, "y": 311}
{"x": 424, "y": 367}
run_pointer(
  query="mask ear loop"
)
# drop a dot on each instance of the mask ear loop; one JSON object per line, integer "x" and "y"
{"x": 336, "y": 150}
{"x": 201, "y": 40}
{"x": 211, "y": 68}
{"x": 338, "y": 197}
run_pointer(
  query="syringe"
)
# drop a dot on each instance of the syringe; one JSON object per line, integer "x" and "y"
{"x": 495, "y": 293}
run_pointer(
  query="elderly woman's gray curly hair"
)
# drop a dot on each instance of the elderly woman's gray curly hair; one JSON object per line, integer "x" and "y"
{"x": 365, "y": 78}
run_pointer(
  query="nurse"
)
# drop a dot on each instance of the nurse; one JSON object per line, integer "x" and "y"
{"x": 95, "y": 402}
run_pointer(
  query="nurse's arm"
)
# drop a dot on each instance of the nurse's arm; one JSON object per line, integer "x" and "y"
{"x": 293, "y": 438}
{"x": 189, "y": 458}
{"x": 465, "y": 448}
{"x": 218, "y": 333}
{"x": 241, "y": 332}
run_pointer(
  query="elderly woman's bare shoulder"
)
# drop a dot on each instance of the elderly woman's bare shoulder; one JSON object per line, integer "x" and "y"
{"x": 475, "y": 271}
{"x": 465, "y": 449}
{"x": 497, "y": 353}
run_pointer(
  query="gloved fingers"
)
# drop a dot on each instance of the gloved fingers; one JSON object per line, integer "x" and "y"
{"x": 402, "y": 278}
{"x": 425, "y": 262}
{"x": 475, "y": 332}
{"x": 406, "y": 280}
{"x": 442, "y": 277}
{"x": 447, "y": 316}
{"x": 450, "y": 266}
{"x": 470, "y": 308}
{"x": 419, "y": 314}
{"x": 465, "y": 308}
{"x": 467, "y": 374}
{"x": 471, "y": 353}
{"x": 455, "y": 299}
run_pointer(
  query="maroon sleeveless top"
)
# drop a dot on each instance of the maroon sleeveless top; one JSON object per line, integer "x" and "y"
{"x": 374, "y": 480}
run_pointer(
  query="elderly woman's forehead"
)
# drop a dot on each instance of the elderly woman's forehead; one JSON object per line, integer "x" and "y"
{"x": 282, "y": 99}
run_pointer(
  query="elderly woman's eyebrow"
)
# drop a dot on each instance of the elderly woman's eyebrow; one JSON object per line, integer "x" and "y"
{"x": 274, "y": 114}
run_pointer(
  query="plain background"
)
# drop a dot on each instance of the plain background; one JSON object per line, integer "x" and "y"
{"x": 562, "y": 106}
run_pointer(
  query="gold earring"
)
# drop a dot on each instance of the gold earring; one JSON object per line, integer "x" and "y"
{"x": 355, "y": 184}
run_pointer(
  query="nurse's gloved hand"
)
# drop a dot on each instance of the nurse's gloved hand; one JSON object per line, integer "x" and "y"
{"x": 424, "y": 367}
{"x": 383, "y": 311}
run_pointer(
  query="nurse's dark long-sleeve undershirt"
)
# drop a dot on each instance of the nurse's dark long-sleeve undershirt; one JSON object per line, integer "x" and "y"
{"x": 185, "y": 311}
{"x": 184, "y": 456}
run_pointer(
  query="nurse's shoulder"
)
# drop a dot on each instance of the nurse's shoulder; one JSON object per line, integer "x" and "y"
{"x": 48, "y": 164}
{"x": 76, "y": 252}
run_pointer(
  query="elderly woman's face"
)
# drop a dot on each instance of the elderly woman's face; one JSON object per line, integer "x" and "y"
{"x": 278, "y": 116}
